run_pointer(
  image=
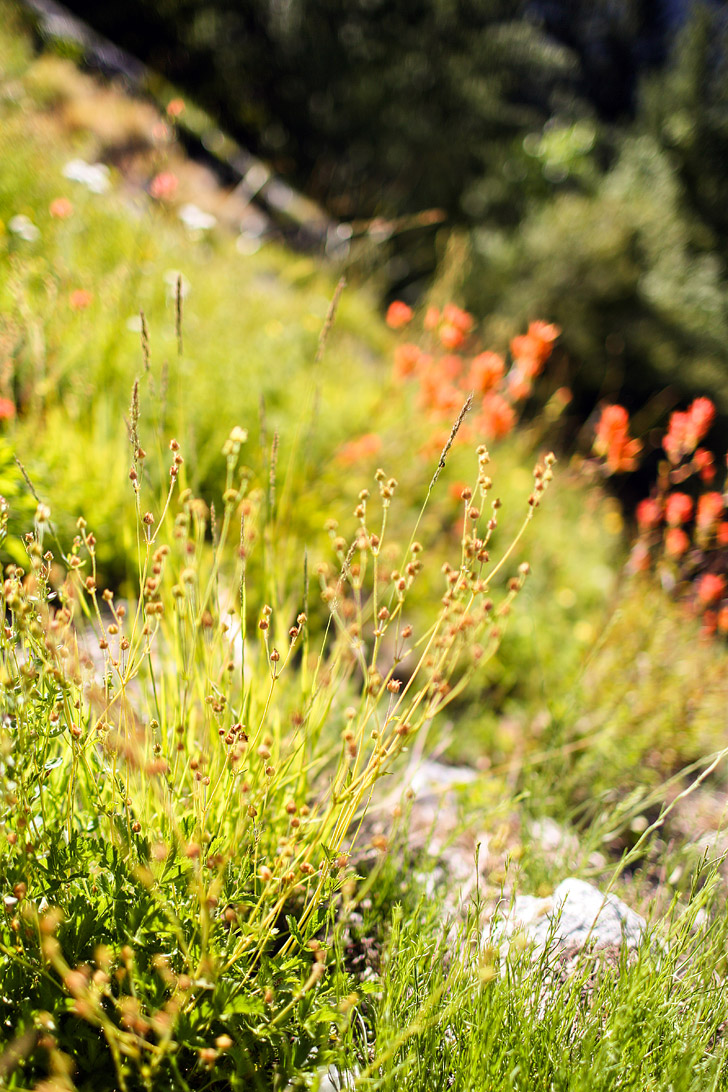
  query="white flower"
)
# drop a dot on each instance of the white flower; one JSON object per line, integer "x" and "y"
{"x": 196, "y": 219}
{"x": 24, "y": 227}
{"x": 94, "y": 176}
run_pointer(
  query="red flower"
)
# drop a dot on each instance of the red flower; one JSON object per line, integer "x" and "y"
{"x": 451, "y": 336}
{"x": 649, "y": 514}
{"x": 497, "y": 417}
{"x": 710, "y": 507}
{"x": 364, "y": 447}
{"x": 486, "y": 371}
{"x": 678, "y": 508}
{"x": 455, "y": 316}
{"x": 676, "y": 542}
{"x": 60, "y": 208}
{"x": 80, "y": 299}
{"x": 407, "y": 359}
{"x": 686, "y": 430}
{"x": 163, "y": 185}
{"x": 702, "y": 415}
{"x": 7, "y": 409}
{"x": 613, "y": 441}
{"x": 398, "y": 315}
{"x": 722, "y": 534}
{"x": 711, "y": 587}
{"x": 530, "y": 351}
{"x": 703, "y": 461}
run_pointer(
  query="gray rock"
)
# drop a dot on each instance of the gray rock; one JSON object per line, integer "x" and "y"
{"x": 576, "y": 914}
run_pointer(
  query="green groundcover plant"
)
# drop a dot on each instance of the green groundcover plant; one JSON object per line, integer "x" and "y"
{"x": 183, "y": 780}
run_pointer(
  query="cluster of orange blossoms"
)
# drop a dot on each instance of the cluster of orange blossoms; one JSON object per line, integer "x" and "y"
{"x": 451, "y": 368}
{"x": 688, "y": 531}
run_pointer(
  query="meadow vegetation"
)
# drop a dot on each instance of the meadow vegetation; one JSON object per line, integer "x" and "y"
{"x": 259, "y": 548}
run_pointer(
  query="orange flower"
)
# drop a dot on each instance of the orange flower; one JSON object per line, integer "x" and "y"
{"x": 451, "y": 337}
{"x": 612, "y": 439}
{"x": 723, "y": 619}
{"x": 711, "y": 587}
{"x": 704, "y": 464}
{"x": 398, "y": 315}
{"x": 455, "y": 316}
{"x": 678, "y": 509}
{"x": 163, "y": 185}
{"x": 407, "y": 359}
{"x": 702, "y": 415}
{"x": 710, "y": 507}
{"x": 175, "y": 108}
{"x": 364, "y": 447}
{"x": 722, "y": 533}
{"x": 497, "y": 417}
{"x": 676, "y": 542}
{"x": 530, "y": 351}
{"x": 60, "y": 208}
{"x": 7, "y": 409}
{"x": 80, "y": 299}
{"x": 649, "y": 514}
{"x": 486, "y": 371}
{"x": 686, "y": 430}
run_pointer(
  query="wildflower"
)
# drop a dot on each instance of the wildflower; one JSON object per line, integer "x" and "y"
{"x": 648, "y": 514}
{"x": 704, "y": 464}
{"x": 531, "y": 350}
{"x": 721, "y": 533}
{"x": 676, "y": 542}
{"x": 486, "y": 371}
{"x": 398, "y": 315}
{"x": 7, "y": 409}
{"x": 710, "y": 507}
{"x": 702, "y": 415}
{"x": 450, "y": 336}
{"x": 686, "y": 429}
{"x": 455, "y": 316}
{"x": 612, "y": 439}
{"x": 723, "y": 619}
{"x": 164, "y": 185}
{"x": 711, "y": 587}
{"x": 24, "y": 228}
{"x": 497, "y": 417}
{"x": 363, "y": 448}
{"x": 175, "y": 108}
{"x": 60, "y": 208}
{"x": 678, "y": 509}
{"x": 80, "y": 299}
{"x": 94, "y": 176}
{"x": 406, "y": 360}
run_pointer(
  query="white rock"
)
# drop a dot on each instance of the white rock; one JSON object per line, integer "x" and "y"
{"x": 94, "y": 176}
{"x": 576, "y": 914}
